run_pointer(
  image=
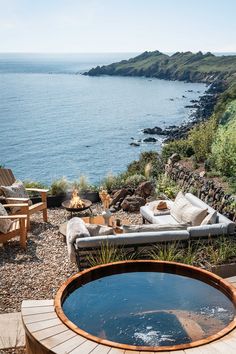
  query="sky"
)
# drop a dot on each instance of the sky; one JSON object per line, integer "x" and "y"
{"x": 92, "y": 26}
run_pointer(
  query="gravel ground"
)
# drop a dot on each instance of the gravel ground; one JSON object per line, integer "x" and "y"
{"x": 38, "y": 272}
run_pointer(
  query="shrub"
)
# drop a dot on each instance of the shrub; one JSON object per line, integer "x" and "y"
{"x": 34, "y": 184}
{"x": 165, "y": 185}
{"x": 59, "y": 186}
{"x": 83, "y": 184}
{"x": 140, "y": 167}
{"x": 182, "y": 147}
{"x": 201, "y": 138}
{"x": 111, "y": 182}
{"x": 134, "y": 180}
{"x": 224, "y": 149}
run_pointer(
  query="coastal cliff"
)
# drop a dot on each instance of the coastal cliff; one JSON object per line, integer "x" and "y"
{"x": 187, "y": 66}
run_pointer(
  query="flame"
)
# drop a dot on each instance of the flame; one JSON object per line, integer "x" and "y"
{"x": 76, "y": 201}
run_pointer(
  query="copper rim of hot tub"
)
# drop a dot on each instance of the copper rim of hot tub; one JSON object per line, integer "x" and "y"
{"x": 100, "y": 271}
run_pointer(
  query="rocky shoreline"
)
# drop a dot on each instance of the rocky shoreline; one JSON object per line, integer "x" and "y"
{"x": 204, "y": 109}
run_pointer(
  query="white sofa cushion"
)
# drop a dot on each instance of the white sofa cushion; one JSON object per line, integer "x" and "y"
{"x": 210, "y": 219}
{"x": 193, "y": 215}
{"x": 184, "y": 211}
{"x": 179, "y": 206}
{"x": 154, "y": 227}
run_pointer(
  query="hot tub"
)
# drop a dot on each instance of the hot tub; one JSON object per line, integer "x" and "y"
{"x": 147, "y": 305}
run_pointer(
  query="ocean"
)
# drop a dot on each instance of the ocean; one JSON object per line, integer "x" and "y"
{"x": 56, "y": 122}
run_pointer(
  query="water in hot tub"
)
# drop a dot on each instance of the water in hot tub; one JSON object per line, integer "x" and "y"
{"x": 149, "y": 308}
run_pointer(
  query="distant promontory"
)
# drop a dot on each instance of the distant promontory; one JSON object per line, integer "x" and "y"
{"x": 187, "y": 66}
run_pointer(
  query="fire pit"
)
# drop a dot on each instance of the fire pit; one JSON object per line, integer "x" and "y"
{"x": 76, "y": 204}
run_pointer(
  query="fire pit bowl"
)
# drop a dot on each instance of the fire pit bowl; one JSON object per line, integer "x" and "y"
{"x": 66, "y": 204}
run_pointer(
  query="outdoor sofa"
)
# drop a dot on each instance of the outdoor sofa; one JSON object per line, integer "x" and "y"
{"x": 164, "y": 229}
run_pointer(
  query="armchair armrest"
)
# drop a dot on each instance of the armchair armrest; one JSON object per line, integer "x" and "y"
{"x": 20, "y": 199}
{"x": 37, "y": 190}
{"x": 13, "y": 217}
{"x": 15, "y": 205}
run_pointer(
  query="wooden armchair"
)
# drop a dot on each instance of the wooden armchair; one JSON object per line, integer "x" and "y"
{"x": 18, "y": 227}
{"x": 7, "y": 179}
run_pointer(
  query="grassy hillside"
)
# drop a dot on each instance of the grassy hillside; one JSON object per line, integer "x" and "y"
{"x": 179, "y": 66}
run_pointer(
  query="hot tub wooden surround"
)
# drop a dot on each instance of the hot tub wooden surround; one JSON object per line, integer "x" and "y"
{"x": 45, "y": 333}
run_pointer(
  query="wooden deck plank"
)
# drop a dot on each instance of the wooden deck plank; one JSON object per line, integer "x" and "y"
{"x": 49, "y": 332}
{"x": 101, "y": 349}
{"x": 69, "y": 345}
{"x": 222, "y": 347}
{"x": 36, "y": 310}
{"x": 117, "y": 351}
{"x": 231, "y": 279}
{"x": 39, "y": 317}
{"x": 58, "y": 339}
{"x": 198, "y": 350}
{"x": 85, "y": 348}
{"x": 37, "y": 326}
{"x": 37, "y": 303}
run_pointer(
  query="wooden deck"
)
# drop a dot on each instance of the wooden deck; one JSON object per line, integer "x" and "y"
{"x": 45, "y": 333}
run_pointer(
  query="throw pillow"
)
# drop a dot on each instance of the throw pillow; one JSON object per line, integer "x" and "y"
{"x": 16, "y": 190}
{"x": 179, "y": 205}
{"x": 210, "y": 218}
{"x": 193, "y": 215}
{"x": 154, "y": 227}
{"x": 5, "y": 224}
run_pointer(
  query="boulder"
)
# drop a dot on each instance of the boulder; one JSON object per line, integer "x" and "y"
{"x": 118, "y": 197}
{"x": 134, "y": 144}
{"x": 149, "y": 140}
{"x": 144, "y": 189}
{"x": 132, "y": 203}
{"x": 155, "y": 130}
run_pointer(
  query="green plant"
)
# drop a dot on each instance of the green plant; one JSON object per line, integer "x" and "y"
{"x": 165, "y": 185}
{"x": 109, "y": 253}
{"x": 134, "y": 180}
{"x": 59, "y": 186}
{"x": 140, "y": 166}
{"x": 224, "y": 147}
{"x": 182, "y": 147}
{"x": 34, "y": 184}
{"x": 221, "y": 250}
{"x": 201, "y": 138}
{"x": 166, "y": 252}
{"x": 83, "y": 184}
{"x": 111, "y": 182}
{"x": 189, "y": 254}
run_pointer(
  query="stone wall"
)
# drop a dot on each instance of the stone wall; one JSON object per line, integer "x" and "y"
{"x": 203, "y": 188}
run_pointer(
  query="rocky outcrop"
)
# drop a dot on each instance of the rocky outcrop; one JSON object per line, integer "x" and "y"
{"x": 205, "y": 189}
{"x": 131, "y": 199}
{"x": 118, "y": 198}
{"x": 132, "y": 203}
{"x": 145, "y": 189}
{"x": 179, "y": 66}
